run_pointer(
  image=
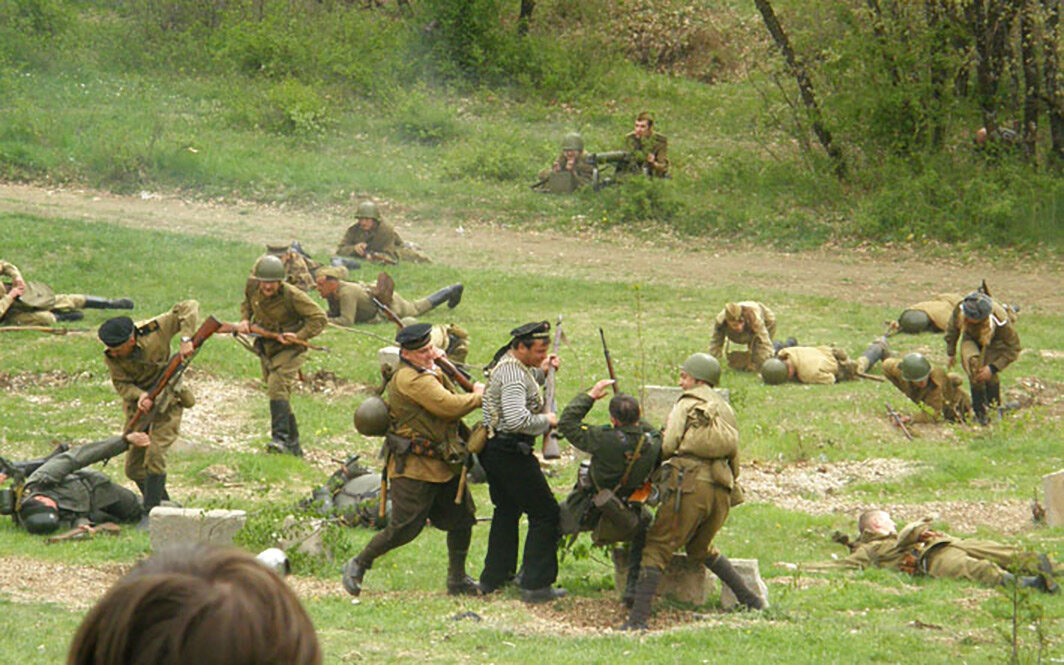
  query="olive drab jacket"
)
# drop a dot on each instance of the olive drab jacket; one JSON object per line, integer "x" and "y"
{"x": 352, "y": 303}
{"x": 758, "y": 329}
{"x": 944, "y": 393}
{"x": 135, "y": 374}
{"x": 702, "y": 437}
{"x": 6, "y": 299}
{"x": 382, "y": 240}
{"x": 996, "y": 338}
{"x": 939, "y": 308}
{"x": 655, "y": 144}
{"x": 289, "y": 310}
{"x": 812, "y": 364}
{"x": 425, "y": 405}
{"x": 582, "y": 168}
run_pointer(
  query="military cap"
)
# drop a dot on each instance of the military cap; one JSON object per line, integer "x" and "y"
{"x": 414, "y": 337}
{"x": 977, "y": 306}
{"x": 277, "y": 248}
{"x": 38, "y": 517}
{"x": 733, "y": 311}
{"x": 335, "y": 272}
{"x": 535, "y": 330}
{"x": 117, "y": 331}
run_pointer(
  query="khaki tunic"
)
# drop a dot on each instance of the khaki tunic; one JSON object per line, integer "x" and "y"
{"x": 757, "y": 333}
{"x": 582, "y": 169}
{"x": 939, "y": 308}
{"x": 655, "y": 144}
{"x": 704, "y": 485}
{"x": 818, "y": 364}
{"x": 944, "y": 393}
{"x": 382, "y": 240}
{"x": 992, "y": 342}
{"x": 135, "y": 374}
{"x": 14, "y": 312}
{"x": 290, "y": 310}
{"x": 352, "y": 303}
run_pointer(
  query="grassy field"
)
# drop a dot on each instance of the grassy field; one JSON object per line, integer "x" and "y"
{"x": 793, "y": 437}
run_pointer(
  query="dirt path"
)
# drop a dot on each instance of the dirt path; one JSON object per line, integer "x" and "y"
{"x": 854, "y": 275}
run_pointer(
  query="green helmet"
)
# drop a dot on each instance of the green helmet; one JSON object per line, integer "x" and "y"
{"x": 703, "y": 367}
{"x": 914, "y": 367}
{"x": 38, "y": 518}
{"x": 774, "y": 371}
{"x": 269, "y": 268}
{"x": 367, "y": 210}
{"x": 372, "y": 417}
{"x": 914, "y": 321}
{"x": 573, "y": 141}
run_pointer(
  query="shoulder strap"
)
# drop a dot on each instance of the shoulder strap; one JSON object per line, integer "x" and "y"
{"x": 635, "y": 456}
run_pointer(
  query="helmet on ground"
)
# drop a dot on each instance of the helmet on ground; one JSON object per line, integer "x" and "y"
{"x": 269, "y": 268}
{"x": 372, "y": 417}
{"x": 774, "y": 371}
{"x": 914, "y": 321}
{"x": 703, "y": 367}
{"x": 276, "y": 560}
{"x": 914, "y": 367}
{"x": 573, "y": 141}
{"x": 367, "y": 210}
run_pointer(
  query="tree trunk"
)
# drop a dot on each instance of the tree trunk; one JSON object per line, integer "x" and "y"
{"x": 1032, "y": 86}
{"x": 1053, "y": 97}
{"x": 805, "y": 86}
{"x": 933, "y": 14}
{"x": 525, "y": 17}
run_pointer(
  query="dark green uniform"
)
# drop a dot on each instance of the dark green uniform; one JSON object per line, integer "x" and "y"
{"x": 655, "y": 144}
{"x": 382, "y": 243}
{"x": 943, "y": 393}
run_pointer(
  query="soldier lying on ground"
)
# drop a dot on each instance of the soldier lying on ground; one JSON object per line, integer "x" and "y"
{"x": 33, "y": 304}
{"x": 351, "y": 493}
{"x": 919, "y": 550}
{"x": 941, "y": 393}
{"x": 373, "y": 239}
{"x": 352, "y": 302}
{"x": 820, "y": 364}
{"x": 927, "y": 316}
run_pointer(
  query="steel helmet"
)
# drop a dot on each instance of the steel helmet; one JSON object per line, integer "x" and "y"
{"x": 573, "y": 141}
{"x": 372, "y": 417}
{"x": 269, "y": 268}
{"x": 774, "y": 371}
{"x": 367, "y": 210}
{"x": 914, "y": 367}
{"x": 703, "y": 367}
{"x": 914, "y": 321}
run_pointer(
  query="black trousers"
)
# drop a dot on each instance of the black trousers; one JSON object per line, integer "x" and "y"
{"x": 517, "y": 486}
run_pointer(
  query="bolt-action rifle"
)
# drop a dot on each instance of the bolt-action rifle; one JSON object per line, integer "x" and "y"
{"x": 609, "y": 362}
{"x": 259, "y": 331}
{"x": 550, "y": 437}
{"x": 43, "y": 329}
{"x": 448, "y": 367}
{"x": 895, "y": 418}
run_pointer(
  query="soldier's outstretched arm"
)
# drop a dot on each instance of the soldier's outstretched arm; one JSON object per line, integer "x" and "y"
{"x": 57, "y": 468}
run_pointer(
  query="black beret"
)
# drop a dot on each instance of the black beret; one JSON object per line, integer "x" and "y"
{"x": 535, "y": 330}
{"x": 977, "y": 306}
{"x": 414, "y": 336}
{"x": 116, "y": 331}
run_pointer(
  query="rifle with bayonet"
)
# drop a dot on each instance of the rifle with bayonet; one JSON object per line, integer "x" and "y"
{"x": 896, "y": 418}
{"x": 550, "y": 437}
{"x": 174, "y": 369}
{"x": 609, "y": 362}
{"x": 448, "y": 367}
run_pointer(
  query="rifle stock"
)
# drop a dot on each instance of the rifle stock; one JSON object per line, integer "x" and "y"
{"x": 445, "y": 364}
{"x": 259, "y": 331}
{"x": 550, "y": 437}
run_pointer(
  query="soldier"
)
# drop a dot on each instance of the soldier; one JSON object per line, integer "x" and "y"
{"x": 34, "y": 304}
{"x": 515, "y": 414}
{"x": 63, "y": 493}
{"x": 299, "y": 269}
{"x": 697, "y": 480}
{"x": 573, "y": 162}
{"x": 426, "y": 458}
{"x": 918, "y": 550}
{"x": 136, "y": 356}
{"x": 373, "y": 239}
{"x": 820, "y": 364}
{"x": 989, "y": 344}
{"x": 280, "y": 308}
{"x": 940, "y": 392}
{"x": 623, "y": 455}
{"x": 928, "y": 316}
{"x": 352, "y": 302}
{"x": 750, "y": 323}
{"x": 648, "y": 150}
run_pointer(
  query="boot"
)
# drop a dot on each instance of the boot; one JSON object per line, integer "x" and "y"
{"x": 1037, "y": 582}
{"x": 458, "y": 583}
{"x": 154, "y": 486}
{"x": 979, "y": 404}
{"x": 68, "y": 315}
{"x": 384, "y": 289}
{"x": 350, "y": 264}
{"x": 353, "y": 571}
{"x": 1045, "y": 571}
{"x": 644, "y": 596}
{"x": 722, "y": 568}
{"x": 280, "y": 414}
{"x": 293, "y": 436}
{"x": 635, "y": 561}
{"x": 94, "y": 302}
{"x": 452, "y": 295}
{"x": 778, "y": 346}
{"x": 993, "y": 394}
{"x": 877, "y": 351}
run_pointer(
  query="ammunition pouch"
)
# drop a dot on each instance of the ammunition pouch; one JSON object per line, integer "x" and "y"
{"x": 478, "y": 438}
{"x": 619, "y": 521}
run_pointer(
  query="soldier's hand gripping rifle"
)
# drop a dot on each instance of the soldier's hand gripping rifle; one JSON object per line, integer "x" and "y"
{"x": 449, "y": 368}
{"x": 259, "y": 331}
{"x": 174, "y": 369}
{"x": 550, "y": 437}
{"x": 609, "y": 362}
{"x": 896, "y": 418}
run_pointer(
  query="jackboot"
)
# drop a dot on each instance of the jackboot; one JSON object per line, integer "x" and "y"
{"x": 458, "y": 583}
{"x": 293, "y": 436}
{"x": 635, "y": 561}
{"x": 384, "y": 289}
{"x": 154, "y": 486}
{"x": 778, "y": 346}
{"x": 280, "y": 414}
{"x": 353, "y": 572}
{"x": 452, "y": 295}
{"x": 979, "y": 404}
{"x": 644, "y": 597}
{"x": 68, "y": 315}
{"x": 993, "y": 394}
{"x": 722, "y": 568}
{"x": 878, "y": 350}
{"x": 1037, "y": 582}
{"x": 94, "y": 302}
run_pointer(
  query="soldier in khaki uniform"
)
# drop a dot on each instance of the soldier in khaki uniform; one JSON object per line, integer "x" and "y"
{"x": 927, "y": 316}
{"x": 136, "y": 356}
{"x": 572, "y": 160}
{"x": 943, "y": 394}
{"x": 425, "y": 462}
{"x": 697, "y": 480}
{"x": 373, "y": 239}
{"x": 299, "y": 270}
{"x": 284, "y": 309}
{"x": 648, "y": 149}
{"x": 918, "y": 550}
{"x": 821, "y": 364}
{"x": 352, "y": 302}
{"x": 34, "y": 304}
{"x": 750, "y": 323}
{"x": 988, "y": 343}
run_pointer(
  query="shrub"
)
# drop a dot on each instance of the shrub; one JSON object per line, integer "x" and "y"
{"x": 420, "y": 119}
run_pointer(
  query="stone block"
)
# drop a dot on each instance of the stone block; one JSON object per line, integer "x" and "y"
{"x": 180, "y": 526}
{"x": 683, "y": 581}
{"x": 306, "y": 536}
{"x": 389, "y": 357}
{"x": 658, "y": 401}
{"x": 748, "y": 569}
{"x": 1053, "y": 494}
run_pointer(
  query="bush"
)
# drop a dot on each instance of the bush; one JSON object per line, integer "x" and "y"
{"x": 289, "y": 108}
{"x": 420, "y": 119}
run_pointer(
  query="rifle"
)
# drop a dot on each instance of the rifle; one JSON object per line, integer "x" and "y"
{"x": 259, "y": 331}
{"x": 174, "y": 369}
{"x": 870, "y": 377}
{"x": 449, "y": 368}
{"x": 550, "y": 437}
{"x": 44, "y": 329}
{"x": 895, "y": 418}
{"x": 609, "y": 362}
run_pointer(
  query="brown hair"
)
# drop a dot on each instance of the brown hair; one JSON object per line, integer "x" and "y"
{"x": 197, "y": 604}
{"x": 625, "y": 409}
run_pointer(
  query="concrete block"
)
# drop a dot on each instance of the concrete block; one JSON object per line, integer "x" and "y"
{"x": 683, "y": 581}
{"x": 307, "y": 536}
{"x": 1053, "y": 494}
{"x": 389, "y": 357}
{"x": 658, "y": 401}
{"x": 180, "y": 526}
{"x": 748, "y": 569}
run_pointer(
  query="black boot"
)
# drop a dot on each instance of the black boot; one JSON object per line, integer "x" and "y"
{"x": 877, "y": 351}
{"x": 635, "y": 561}
{"x": 1037, "y": 582}
{"x": 93, "y": 302}
{"x": 154, "y": 486}
{"x": 293, "y": 436}
{"x": 280, "y": 414}
{"x": 778, "y": 346}
{"x": 353, "y": 571}
{"x": 722, "y": 568}
{"x": 452, "y": 295}
{"x": 68, "y": 315}
{"x": 458, "y": 583}
{"x": 993, "y": 394}
{"x": 979, "y": 404}
{"x": 644, "y": 597}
